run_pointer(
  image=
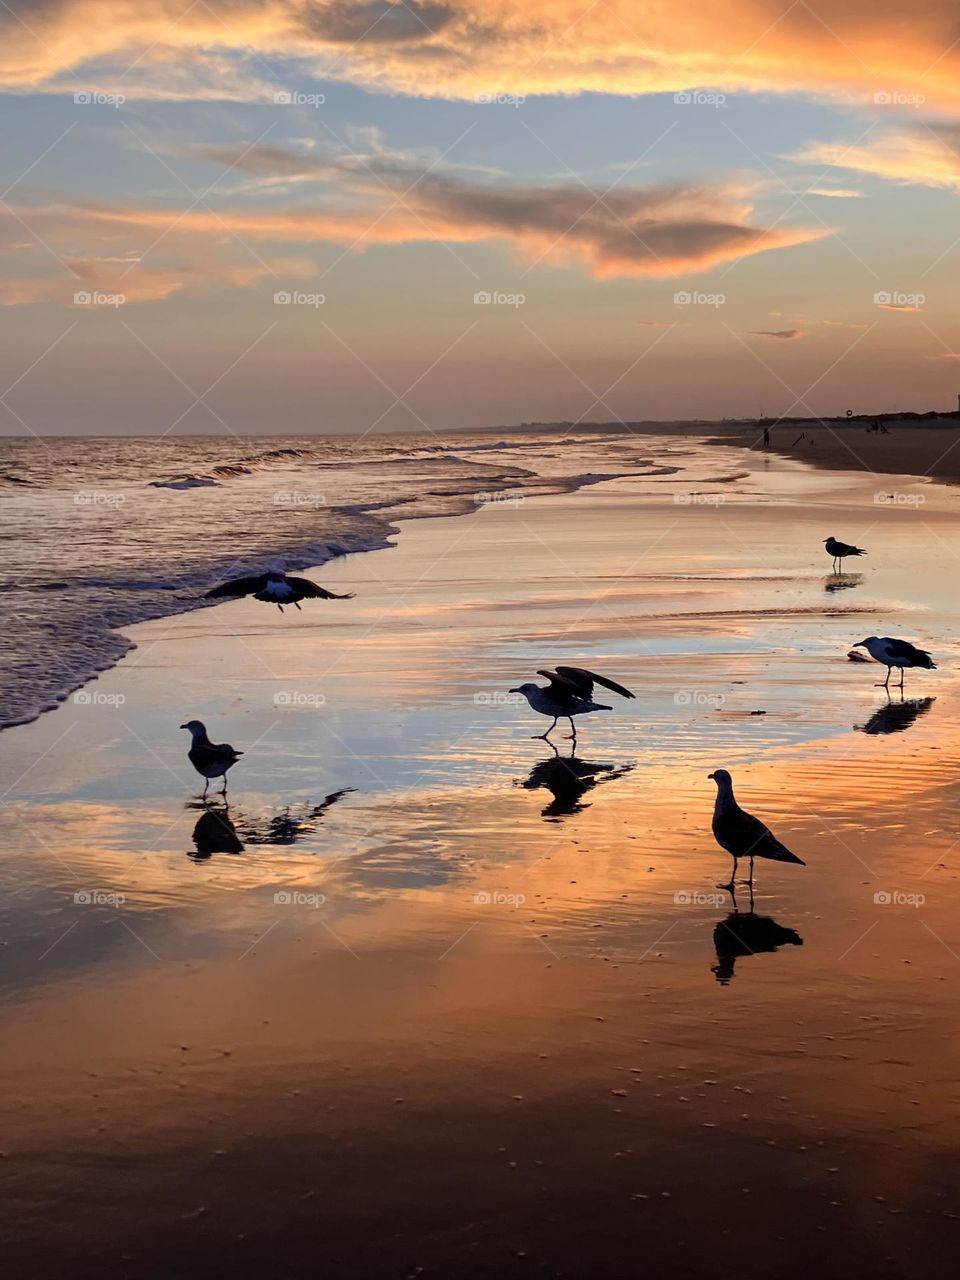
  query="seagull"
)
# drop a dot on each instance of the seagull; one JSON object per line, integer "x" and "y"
{"x": 210, "y": 759}
{"x": 569, "y": 694}
{"x": 740, "y": 833}
{"x": 895, "y": 653}
{"x": 839, "y": 550}
{"x": 274, "y": 588}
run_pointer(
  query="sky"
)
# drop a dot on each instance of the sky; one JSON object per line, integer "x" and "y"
{"x": 230, "y": 216}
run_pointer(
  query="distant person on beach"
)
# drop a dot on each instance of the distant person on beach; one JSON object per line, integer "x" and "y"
{"x": 766, "y": 437}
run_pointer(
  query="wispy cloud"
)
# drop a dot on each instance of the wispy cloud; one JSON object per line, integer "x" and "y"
{"x": 459, "y": 48}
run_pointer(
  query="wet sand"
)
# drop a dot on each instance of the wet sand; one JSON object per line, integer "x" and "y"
{"x": 459, "y": 1007}
{"x": 909, "y": 448}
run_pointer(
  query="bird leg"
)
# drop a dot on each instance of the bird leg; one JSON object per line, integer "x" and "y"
{"x": 574, "y": 728}
{"x": 297, "y": 607}
{"x": 206, "y": 783}
{"x": 902, "y": 670}
{"x": 546, "y": 736}
{"x": 731, "y": 887}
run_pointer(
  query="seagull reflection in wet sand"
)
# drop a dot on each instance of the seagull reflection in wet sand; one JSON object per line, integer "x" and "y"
{"x": 216, "y": 831}
{"x": 747, "y": 935}
{"x": 895, "y": 717}
{"x": 569, "y": 779}
{"x": 842, "y": 581}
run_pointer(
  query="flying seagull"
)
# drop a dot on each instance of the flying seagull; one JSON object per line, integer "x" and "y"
{"x": 569, "y": 694}
{"x": 210, "y": 759}
{"x": 895, "y": 653}
{"x": 740, "y": 833}
{"x": 840, "y": 550}
{"x": 275, "y": 588}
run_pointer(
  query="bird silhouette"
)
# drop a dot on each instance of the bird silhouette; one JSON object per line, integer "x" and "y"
{"x": 274, "y": 588}
{"x": 840, "y": 550}
{"x": 895, "y": 653}
{"x": 569, "y": 694}
{"x": 740, "y": 833}
{"x": 211, "y": 760}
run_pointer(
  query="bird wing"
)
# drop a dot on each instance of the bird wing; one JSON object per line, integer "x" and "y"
{"x": 582, "y": 679}
{"x": 904, "y": 649}
{"x": 564, "y": 690}
{"x": 745, "y": 836}
{"x": 308, "y": 588}
{"x": 237, "y": 587}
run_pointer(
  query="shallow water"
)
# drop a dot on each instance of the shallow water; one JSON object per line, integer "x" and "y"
{"x": 488, "y": 1010}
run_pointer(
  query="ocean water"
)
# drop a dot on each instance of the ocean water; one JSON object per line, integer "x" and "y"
{"x": 99, "y": 534}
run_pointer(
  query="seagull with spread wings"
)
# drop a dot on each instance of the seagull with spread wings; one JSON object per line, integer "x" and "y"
{"x": 569, "y": 694}
{"x": 275, "y": 588}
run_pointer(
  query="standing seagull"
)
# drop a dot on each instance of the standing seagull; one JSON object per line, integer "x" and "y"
{"x": 275, "y": 588}
{"x": 569, "y": 694}
{"x": 210, "y": 759}
{"x": 740, "y": 833}
{"x": 840, "y": 550}
{"x": 895, "y": 653}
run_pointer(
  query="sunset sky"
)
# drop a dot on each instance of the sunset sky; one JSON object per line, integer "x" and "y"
{"x": 231, "y": 216}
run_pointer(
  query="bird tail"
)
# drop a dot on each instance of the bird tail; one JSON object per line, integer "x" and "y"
{"x": 787, "y": 856}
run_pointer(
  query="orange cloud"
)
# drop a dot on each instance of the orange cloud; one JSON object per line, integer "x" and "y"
{"x": 654, "y": 231}
{"x": 860, "y": 49}
{"x": 927, "y": 154}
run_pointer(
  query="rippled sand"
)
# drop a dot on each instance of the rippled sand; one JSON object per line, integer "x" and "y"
{"x": 459, "y": 1004}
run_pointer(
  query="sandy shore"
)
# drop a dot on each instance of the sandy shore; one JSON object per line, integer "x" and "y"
{"x": 428, "y": 999}
{"x": 908, "y": 448}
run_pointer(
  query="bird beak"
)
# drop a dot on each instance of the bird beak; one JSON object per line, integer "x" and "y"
{"x": 183, "y": 726}
{"x": 861, "y": 644}
{"x": 513, "y": 691}
{"x": 712, "y": 775}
